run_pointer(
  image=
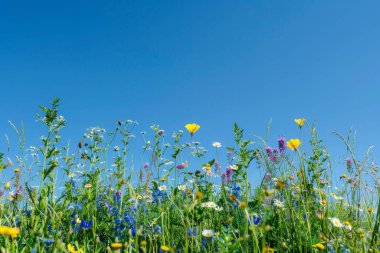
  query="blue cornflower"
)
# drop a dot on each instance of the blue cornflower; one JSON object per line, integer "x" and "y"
{"x": 111, "y": 209}
{"x": 256, "y": 220}
{"x": 48, "y": 242}
{"x": 157, "y": 230}
{"x": 117, "y": 197}
{"x": 86, "y": 224}
{"x": 192, "y": 231}
{"x": 129, "y": 219}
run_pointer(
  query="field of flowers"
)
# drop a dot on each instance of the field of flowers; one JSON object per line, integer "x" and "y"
{"x": 96, "y": 196}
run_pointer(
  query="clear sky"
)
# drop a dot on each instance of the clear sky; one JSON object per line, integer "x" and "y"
{"x": 210, "y": 62}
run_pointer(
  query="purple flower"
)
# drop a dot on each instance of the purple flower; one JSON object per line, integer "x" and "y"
{"x": 146, "y": 165}
{"x": 267, "y": 176}
{"x": 349, "y": 162}
{"x": 270, "y": 153}
{"x": 226, "y": 177}
{"x": 180, "y": 166}
{"x": 281, "y": 144}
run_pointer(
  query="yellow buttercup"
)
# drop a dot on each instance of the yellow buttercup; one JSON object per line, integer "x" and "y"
{"x": 300, "y": 122}
{"x": 192, "y": 128}
{"x": 293, "y": 144}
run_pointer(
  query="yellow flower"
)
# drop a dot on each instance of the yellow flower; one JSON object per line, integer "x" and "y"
{"x": 116, "y": 245}
{"x": 268, "y": 250}
{"x": 9, "y": 231}
{"x": 88, "y": 185}
{"x": 165, "y": 248}
{"x": 300, "y": 122}
{"x": 71, "y": 249}
{"x": 347, "y": 225}
{"x": 199, "y": 195}
{"x": 243, "y": 205}
{"x": 293, "y": 144}
{"x": 7, "y": 185}
{"x": 17, "y": 170}
{"x": 370, "y": 210}
{"x": 323, "y": 237}
{"x": 319, "y": 246}
{"x": 192, "y": 128}
{"x": 343, "y": 176}
{"x": 232, "y": 198}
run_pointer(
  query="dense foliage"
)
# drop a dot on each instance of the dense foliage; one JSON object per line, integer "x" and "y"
{"x": 179, "y": 197}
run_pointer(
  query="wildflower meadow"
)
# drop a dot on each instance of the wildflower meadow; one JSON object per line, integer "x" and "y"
{"x": 101, "y": 193}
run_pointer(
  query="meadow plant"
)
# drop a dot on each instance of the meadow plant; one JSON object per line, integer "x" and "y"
{"x": 94, "y": 196}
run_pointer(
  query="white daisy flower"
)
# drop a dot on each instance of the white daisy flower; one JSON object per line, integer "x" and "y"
{"x": 347, "y": 225}
{"x": 336, "y": 222}
{"x": 234, "y": 167}
{"x": 278, "y": 203}
{"x": 182, "y": 187}
{"x": 211, "y": 204}
{"x": 216, "y": 144}
{"x": 162, "y": 188}
{"x": 208, "y": 233}
{"x": 336, "y": 196}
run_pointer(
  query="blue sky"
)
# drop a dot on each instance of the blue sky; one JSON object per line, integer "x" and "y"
{"x": 210, "y": 62}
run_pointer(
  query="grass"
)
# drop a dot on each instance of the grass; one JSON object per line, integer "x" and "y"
{"x": 94, "y": 197}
